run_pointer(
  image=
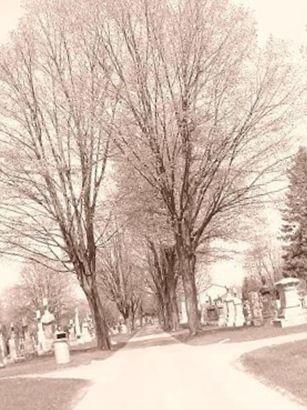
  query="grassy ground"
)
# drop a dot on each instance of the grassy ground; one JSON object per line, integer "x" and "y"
{"x": 21, "y": 393}
{"x": 281, "y": 366}
{"x": 210, "y": 335}
{"x": 39, "y": 394}
{"x": 234, "y": 335}
{"x": 80, "y": 355}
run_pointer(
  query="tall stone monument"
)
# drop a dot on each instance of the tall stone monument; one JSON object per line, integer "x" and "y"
{"x": 77, "y": 324}
{"x": 86, "y": 335}
{"x": 48, "y": 323}
{"x": 230, "y": 310}
{"x": 40, "y": 334}
{"x": 222, "y": 314}
{"x": 27, "y": 340}
{"x": 268, "y": 301}
{"x": 3, "y": 352}
{"x": 13, "y": 348}
{"x": 247, "y": 313}
{"x": 183, "y": 313}
{"x": 239, "y": 316}
{"x": 256, "y": 308}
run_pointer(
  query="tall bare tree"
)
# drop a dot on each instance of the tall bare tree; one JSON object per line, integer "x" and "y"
{"x": 54, "y": 143}
{"x": 202, "y": 111}
{"x": 119, "y": 278}
{"x": 163, "y": 270}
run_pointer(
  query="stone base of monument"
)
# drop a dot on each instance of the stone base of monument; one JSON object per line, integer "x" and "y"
{"x": 291, "y": 320}
{"x": 291, "y": 312}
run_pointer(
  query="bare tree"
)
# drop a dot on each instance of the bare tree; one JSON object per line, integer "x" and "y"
{"x": 54, "y": 144}
{"x": 36, "y": 283}
{"x": 119, "y": 278}
{"x": 163, "y": 270}
{"x": 263, "y": 261}
{"x": 202, "y": 112}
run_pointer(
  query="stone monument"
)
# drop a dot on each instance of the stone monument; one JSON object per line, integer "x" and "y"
{"x": 28, "y": 344}
{"x": 86, "y": 336}
{"x": 13, "y": 345}
{"x": 77, "y": 324}
{"x": 291, "y": 312}
{"x": 204, "y": 313}
{"x": 239, "y": 316}
{"x": 247, "y": 313}
{"x": 183, "y": 313}
{"x": 123, "y": 328}
{"x": 48, "y": 323}
{"x": 71, "y": 333}
{"x": 222, "y": 314}
{"x": 212, "y": 314}
{"x": 230, "y": 310}
{"x": 256, "y": 308}
{"x": 268, "y": 302}
{"x": 3, "y": 352}
{"x": 40, "y": 334}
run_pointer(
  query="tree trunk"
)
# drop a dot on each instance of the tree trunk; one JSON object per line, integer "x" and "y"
{"x": 161, "y": 316}
{"x": 141, "y": 317}
{"x": 187, "y": 264}
{"x": 132, "y": 321}
{"x": 173, "y": 313}
{"x": 101, "y": 328}
{"x": 169, "y": 288}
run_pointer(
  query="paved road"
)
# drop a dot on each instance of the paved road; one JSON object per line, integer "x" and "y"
{"x": 179, "y": 377}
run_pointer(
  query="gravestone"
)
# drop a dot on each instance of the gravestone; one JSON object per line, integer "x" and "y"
{"x": 291, "y": 312}
{"x": 212, "y": 314}
{"x": 239, "y": 316}
{"x": 268, "y": 303}
{"x": 222, "y": 314}
{"x": 29, "y": 349}
{"x": 3, "y": 352}
{"x": 123, "y": 328}
{"x": 2, "y": 344}
{"x": 247, "y": 312}
{"x": 256, "y": 308}
{"x": 40, "y": 334}
{"x": 230, "y": 310}
{"x": 72, "y": 338}
{"x": 204, "y": 313}
{"x": 183, "y": 313}
{"x": 13, "y": 348}
{"x": 77, "y": 324}
{"x": 48, "y": 324}
{"x": 86, "y": 336}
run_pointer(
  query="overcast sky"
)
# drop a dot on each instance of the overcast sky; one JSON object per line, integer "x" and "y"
{"x": 282, "y": 18}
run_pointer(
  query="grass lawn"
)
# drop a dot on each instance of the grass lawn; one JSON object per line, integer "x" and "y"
{"x": 283, "y": 366}
{"x": 80, "y": 355}
{"x": 38, "y": 393}
{"x": 41, "y": 394}
{"x": 234, "y": 335}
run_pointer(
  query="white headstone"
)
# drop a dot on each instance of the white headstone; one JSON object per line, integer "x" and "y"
{"x": 239, "y": 315}
{"x": 77, "y": 323}
{"x": 183, "y": 316}
{"x": 230, "y": 311}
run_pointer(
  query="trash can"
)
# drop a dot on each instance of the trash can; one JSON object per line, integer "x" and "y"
{"x": 61, "y": 348}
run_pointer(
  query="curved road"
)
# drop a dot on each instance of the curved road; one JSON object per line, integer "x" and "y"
{"x": 178, "y": 377}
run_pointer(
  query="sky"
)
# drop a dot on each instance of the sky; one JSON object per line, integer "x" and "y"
{"x": 286, "y": 19}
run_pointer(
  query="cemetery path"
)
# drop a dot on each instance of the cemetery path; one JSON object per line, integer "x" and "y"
{"x": 178, "y": 376}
